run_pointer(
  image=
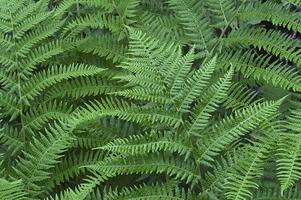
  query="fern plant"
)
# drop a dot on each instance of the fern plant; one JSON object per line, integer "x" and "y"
{"x": 150, "y": 99}
{"x": 175, "y": 104}
{"x": 35, "y": 81}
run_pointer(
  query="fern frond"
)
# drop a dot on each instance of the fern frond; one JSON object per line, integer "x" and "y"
{"x": 195, "y": 23}
{"x": 54, "y": 75}
{"x": 71, "y": 166}
{"x": 95, "y": 21}
{"x": 242, "y": 180}
{"x": 215, "y": 180}
{"x": 275, "y": 194}
{"x": 239, "y": 96}
{"x": 81, "y": 191}
{"x": 164, "y": 27}
{"x": 273, "y": 12}
{"x": 12, "y": 190}
{"x": 152, "y": 163}
{"x": 288, "y": 162}
{"x": 150, "y": 192}
{"x": 143, "y": 145}
{"x": 37, "y": 117}
{"x": 222, "y": 12}
{"x": 146, "y": 95}
{"x": 275, "y": 42}
{"x": 195, "y": 85}
{"x": 106, "y": 46}
{"x": 42, "y": 154}
{"x": 11, "y": 138}
{"x": 82, "y": 87}
{"x": 125, "y": 111}
{"x": 289, "y": 153}
{"x": 179, "y": 71}
{"x": 208, "y": 104}
{"x": 9, "y": 105}
{"x": 41, "y": 54}
{"x": 263, "y": 69}
{"x": 234, "y": 126}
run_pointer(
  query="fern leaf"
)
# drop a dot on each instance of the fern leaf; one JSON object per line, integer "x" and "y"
{"x": 242, "y": 180}
{"x": 149, "y": 192}
{"x": 42, "y": 155}
{"x": 222, "y": 12}
{"x": 12, "y": 190}
{"x": 191, "y": 15}
{"x": 143, "y": 145}
{"x": 54, "y": 75}
{"x": 279, "y": 44}
{"x": 275, "y": 13}
{"x": 236, "y": 125}
{"x": 288, "y": 166}
{"x": 263, "y": 69}
{"x": 146, "y": 165}
{"x": 195, "y": 85}
{"x": 208, "y": 103}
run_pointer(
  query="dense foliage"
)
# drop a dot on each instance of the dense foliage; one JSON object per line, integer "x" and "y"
{"x": 150, "y": 99}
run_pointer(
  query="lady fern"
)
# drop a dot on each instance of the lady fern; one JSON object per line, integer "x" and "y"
{"x": 150, "y": 99}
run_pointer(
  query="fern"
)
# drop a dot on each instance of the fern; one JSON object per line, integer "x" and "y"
{"x": 150, "y": 154}
{"x": 240, "y": 183}
{"x": 149, "y": 99}
{"x": 11, "y": 190}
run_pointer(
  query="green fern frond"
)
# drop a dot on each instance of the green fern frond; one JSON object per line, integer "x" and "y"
{"x": 222, "y": 12}
{"x": 9, "y": 105}
{"x": 239, "y": 96}
{"x": 288, "y": 161}
{"x": 146, "y": 95}
{"x": 243, "y": 179}
{"x": 54, "y": 75}
{"x": 106, "y": 46}
{"x": 195, "y": 85}
{"x": 274, "y": 42}
{"x": 82, "y": 87}
{"x": 215, "y": 180}
{"x": 39, "y": 116}
{"x": 110, "y": 128}
{"x": 71, "y": 166}
{"x": 143, "y": 145}
{"x": 262, "y": 69}
{"x": 42, "y": 54}
{"x": 152, "y": 163}
{"x": 164, "y": 27}
{"x": 95, "y": 21}
{"x": 166, "y": 191}
{"x": 179, "y": 71}
{"x": 11, "y": 138}
{"x": 42, "y": 154}
{"x": 273, "y": 12}
{"x": 208, "y": 103}
{"x": 232, "y": 127}
{"x": 81, "y": 191}
{"x": 12, "y": 190}
{"x": 275, "y": 194}
{"x": 289, "y": 153}
{"x": 195, "y": 23}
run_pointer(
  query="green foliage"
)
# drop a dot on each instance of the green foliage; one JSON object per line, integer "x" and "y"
{"x": 150, "y": 99}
